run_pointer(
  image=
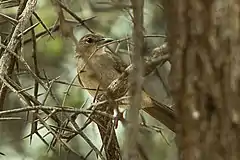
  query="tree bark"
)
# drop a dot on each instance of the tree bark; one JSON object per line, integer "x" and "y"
{"x": 204, "y": 40}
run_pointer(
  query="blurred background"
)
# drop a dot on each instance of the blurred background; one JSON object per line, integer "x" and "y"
{"x": 56, "y": 60}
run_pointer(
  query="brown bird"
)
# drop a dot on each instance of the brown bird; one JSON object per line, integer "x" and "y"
{"x": 96, "y": 67}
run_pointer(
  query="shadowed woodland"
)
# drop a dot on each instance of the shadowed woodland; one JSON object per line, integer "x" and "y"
{"x": 118, "y": 79}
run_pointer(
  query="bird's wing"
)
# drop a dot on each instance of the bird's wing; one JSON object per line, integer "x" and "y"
{"x": 157, "y": 88}
{"x": 156, "y": 84}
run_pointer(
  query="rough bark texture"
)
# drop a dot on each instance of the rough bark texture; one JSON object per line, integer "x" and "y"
{"x": 7, "y": 60}
{"x": 204, "y": 39}
{"x": 136, "y": 82}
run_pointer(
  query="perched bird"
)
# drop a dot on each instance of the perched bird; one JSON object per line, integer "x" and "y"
{"x": 96, "y": 67}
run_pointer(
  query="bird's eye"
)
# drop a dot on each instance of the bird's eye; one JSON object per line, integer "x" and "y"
{"x": 89, "y": 40}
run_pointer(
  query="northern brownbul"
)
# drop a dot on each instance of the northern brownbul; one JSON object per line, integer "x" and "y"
{"x": 96, "y": 67}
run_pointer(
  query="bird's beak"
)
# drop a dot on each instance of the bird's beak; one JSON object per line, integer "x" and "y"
{"x": 105, "y": 40}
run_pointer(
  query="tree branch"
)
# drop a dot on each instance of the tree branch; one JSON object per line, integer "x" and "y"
{"x": 136, "y": 81}
{"x": 7, "y": 60}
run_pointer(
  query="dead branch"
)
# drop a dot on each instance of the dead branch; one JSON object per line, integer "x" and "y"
{"x": 7, "y": 60}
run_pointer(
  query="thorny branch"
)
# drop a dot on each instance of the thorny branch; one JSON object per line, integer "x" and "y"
{"x": 7, "y": 60}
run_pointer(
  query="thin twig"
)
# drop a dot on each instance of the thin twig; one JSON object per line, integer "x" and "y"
{"x": 74, "y": 15}
{"x": 43, "y": 24}
{"x": 50, "y": 108}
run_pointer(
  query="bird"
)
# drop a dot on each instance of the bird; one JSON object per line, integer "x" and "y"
{"x": 97, "y": 69}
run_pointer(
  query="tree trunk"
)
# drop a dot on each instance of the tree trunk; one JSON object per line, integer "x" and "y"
{"x": 204, "y": 40}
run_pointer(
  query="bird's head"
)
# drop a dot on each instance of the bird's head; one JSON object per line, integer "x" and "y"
{"x": 89, "y": 43}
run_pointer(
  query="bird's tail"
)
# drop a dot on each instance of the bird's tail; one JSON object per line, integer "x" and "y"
{"x": 159, "y": 111}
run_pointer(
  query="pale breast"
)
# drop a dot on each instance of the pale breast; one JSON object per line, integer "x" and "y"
{"x": 104, "y": 66}
{"x": 102, "y": 72}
